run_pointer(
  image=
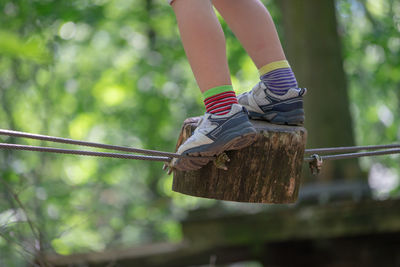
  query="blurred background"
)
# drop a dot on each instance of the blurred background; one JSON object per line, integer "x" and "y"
{"x": 115, "y": 72}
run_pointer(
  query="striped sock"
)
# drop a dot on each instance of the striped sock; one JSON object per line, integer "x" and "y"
{"x": 219, "y": 100}
{"x": 278, "y": 77}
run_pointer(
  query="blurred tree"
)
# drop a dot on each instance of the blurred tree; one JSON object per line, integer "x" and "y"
{"x": 370, "y": 34}
{"x": 314, "y": 49}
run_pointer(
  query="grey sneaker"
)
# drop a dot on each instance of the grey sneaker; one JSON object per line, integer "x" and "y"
{"x": 262, "y": 104}
{"x": 214, "y": 135}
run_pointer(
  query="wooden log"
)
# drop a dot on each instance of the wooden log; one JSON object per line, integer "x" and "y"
{"x": 268, "y": 171}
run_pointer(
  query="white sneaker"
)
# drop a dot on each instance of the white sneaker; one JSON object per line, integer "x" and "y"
{"x": 214, "y": 135}
{"x": 262, "y": 104}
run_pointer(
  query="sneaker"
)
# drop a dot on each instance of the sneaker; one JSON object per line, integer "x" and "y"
{"x": 214, "y": 135}
{"x": 262, "y": 104}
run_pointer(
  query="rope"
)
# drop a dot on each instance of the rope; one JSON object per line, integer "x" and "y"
{"x": 82, "y": 152}
{"x": 355, "y": 155}
{"x": 91, "y": 144}
{"x": 154, "y": 155}
{"x": 349, "y": 149}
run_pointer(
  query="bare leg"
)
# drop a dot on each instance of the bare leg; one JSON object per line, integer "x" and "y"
{"x": 253, "y": 26}
{"x": 203, "y": 41}
{"x": 255, "y": 29}
{"x": 225, "y": 125}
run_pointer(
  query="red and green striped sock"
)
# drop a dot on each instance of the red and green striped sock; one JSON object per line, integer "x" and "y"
{"x": 219, "y": 100}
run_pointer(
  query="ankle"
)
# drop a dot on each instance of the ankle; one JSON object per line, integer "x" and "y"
{"x": 278, "y": 77}
{"x": 219, "y": 100}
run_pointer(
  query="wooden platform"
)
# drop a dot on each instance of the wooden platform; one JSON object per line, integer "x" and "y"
{"x": 268, "y": 171}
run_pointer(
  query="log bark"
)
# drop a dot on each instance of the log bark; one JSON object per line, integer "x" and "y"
{"x": 268, "y": 171}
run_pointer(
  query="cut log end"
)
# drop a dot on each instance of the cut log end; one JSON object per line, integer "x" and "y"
{"x": 268, "y": 171}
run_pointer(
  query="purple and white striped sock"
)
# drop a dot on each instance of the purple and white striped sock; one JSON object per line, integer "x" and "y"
{"x": 279, "y": 81}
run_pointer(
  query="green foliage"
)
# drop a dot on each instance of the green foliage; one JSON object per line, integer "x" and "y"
{"x": 105, "y": 71}
{"x": 31, "y": 49}
{"x": 114, "y": 71}
{"x": 371, "y": 41}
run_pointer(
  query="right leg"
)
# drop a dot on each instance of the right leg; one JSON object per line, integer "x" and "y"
{"x": 255, "y": 29}
{"x": 276, "y": 98}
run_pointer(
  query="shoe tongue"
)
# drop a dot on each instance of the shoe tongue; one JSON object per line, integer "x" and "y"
{"x": 202, "y": 119}
{"x": 235, "y": 108}
{"x": 259, "y": 88}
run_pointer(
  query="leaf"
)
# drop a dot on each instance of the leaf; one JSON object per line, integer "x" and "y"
{"x": 31, "y": 49}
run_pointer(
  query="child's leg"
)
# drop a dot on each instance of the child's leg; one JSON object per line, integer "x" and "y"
{"x": 225, "y": 126}
{"x": 276, "y": 98}
{"x": 255, "y": 29}
{"x": 253, "y": 26}
{"x": 204, "y": 42}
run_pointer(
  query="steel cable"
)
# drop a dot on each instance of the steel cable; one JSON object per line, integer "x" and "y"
{"x": 83, "y": 152}
{"x": 349, "y": 149}
{"x": 355, "y": 155}
{"x": 91, "y": 144}
{"x": 154, "y": 155}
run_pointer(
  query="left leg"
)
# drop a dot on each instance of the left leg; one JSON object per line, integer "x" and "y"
{"x": 253, "y": 26}
{"x": 204, "y": 42}
{"x": 225, "y": 126}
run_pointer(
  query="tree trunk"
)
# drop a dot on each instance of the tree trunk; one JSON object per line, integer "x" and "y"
{"x": 314, "y": 51}
{"x": 268, "y": 171}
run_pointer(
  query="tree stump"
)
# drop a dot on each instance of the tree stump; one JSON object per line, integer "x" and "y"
{"x": 268, "y": 171}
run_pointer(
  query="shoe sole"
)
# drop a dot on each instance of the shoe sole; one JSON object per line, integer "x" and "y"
{"x": 237, "y": 138}
{"x": 294, "y": 117}
{"x": 237, "y": 143}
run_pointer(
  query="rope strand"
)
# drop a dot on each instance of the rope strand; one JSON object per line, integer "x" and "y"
{"x": 355, "y": 155}
{"x": 154, "y": 155}
{"x": 349, "y": 149}
{"x": 91, "y": 144}
{"x": 82, "y": 152}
